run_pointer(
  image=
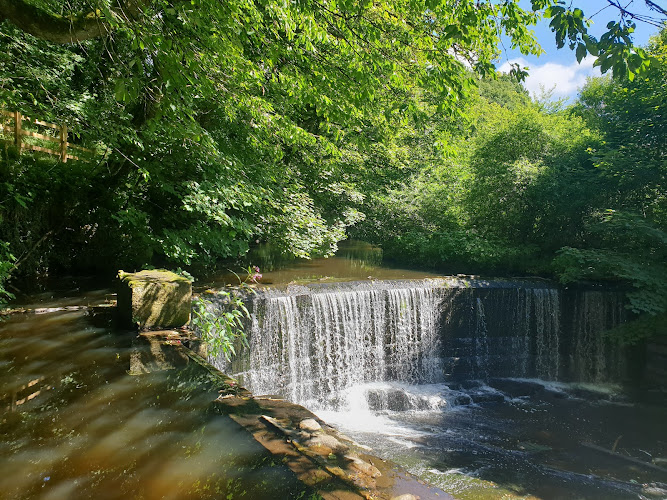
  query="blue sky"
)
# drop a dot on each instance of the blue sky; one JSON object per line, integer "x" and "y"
{"x": 558, "y": 69}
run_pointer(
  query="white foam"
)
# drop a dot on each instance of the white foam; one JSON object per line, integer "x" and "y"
{"x": 565, "y": 387}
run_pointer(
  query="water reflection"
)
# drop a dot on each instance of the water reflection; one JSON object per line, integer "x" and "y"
{"x": 354, "y": 260}
{"x": 76, "y": 424}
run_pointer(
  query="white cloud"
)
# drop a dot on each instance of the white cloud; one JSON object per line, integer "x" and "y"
{"x": 565, "y": 79}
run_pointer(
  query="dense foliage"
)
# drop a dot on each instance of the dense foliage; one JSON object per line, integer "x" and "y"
{"x": 218, "y": 126}
{"x": 222, "y": 124}
{"x": 502, "y": 195}
{"x": 578, "y": 193}
{"x": 627, "y": 234}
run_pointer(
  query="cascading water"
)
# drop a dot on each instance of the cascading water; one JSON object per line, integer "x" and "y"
{"x": 450, "y": 367}
{"x": 481, "y": 342}
{"x": 311, "y": 346}
{"x": 505, "y": 331}
{"x": 310, "y": 343}
{"x": 413, "y": 316}
{"x": 593, "y": 356}
{"x": 547, "y": 331}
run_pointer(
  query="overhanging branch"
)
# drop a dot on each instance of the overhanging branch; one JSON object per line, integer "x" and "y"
{"x": 52, "y": 27}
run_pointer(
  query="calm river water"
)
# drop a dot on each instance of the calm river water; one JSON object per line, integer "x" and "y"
{"x": 75, "y": 424}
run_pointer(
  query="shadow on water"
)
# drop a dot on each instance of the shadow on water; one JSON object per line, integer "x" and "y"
{"x": 76, "y": 424}
{"x": 354, "y": 260}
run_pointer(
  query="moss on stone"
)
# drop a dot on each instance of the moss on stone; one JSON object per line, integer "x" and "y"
{"x": 152, "y": 275}
{"x": 155, "y": 298}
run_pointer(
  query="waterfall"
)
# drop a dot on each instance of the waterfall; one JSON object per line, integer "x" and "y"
{"x": 511, "y": 332}
{"x": 547, "y": 331}
{"x": 520, "y": 343}
{"x": 593, "y": 356}
{"x": 312, "y": 343}
{"x": 412, "y": 329}
{"x": 311, "y": 346}
{"x": 481, "y": 342}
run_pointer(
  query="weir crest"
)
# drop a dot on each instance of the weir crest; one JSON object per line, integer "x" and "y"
{"x": 312, "y": 343}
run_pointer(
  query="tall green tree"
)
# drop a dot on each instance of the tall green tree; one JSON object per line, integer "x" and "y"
{"x": 507, "y": 191}
{"x": 627, "y": 236}
{"x": 227, "y": 123}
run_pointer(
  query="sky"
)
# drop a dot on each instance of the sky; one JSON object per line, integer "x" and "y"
{"x": 558, "y": 69}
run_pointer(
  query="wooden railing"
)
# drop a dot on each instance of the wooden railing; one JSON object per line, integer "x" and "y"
{"x": 60, "y": 137}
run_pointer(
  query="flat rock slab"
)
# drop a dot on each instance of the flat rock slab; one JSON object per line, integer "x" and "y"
{"x": 154, "y": 299}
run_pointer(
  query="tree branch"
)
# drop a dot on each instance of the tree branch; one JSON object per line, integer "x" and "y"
{"x": 52, "y": 27}
{"x": 27, "y": 253}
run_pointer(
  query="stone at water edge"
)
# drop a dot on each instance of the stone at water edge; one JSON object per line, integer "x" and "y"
{"x": 154, "y": 298}
{"x": 324, "y": 444}
{"x": 310, "y": 425}
{"x": 362, "y": 466}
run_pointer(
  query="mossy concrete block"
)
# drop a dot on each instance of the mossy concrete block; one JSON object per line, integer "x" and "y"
{"x": 154, "y": 299}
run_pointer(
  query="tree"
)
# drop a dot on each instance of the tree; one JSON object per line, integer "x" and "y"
{"x": 509, "y": 189}
{"x": 234, "y": 122}
{"x": 227, "y": 123}
{"x": 424, "y": 22}
{"x": 627, "y": 235}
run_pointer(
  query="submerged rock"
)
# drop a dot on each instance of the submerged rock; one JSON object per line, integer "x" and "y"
{"x": 655, "y": 490}
{"x": 462, "y": 400}
{"x": 517, "y": 388}
{"x": 395, "y": 399}
{"x": 487, "y": 397}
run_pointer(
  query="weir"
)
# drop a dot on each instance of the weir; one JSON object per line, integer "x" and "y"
{"x": 310, "y": 343}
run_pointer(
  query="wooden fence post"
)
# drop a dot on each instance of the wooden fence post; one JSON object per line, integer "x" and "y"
{"x": 63, "y": 143}
{"x": 17, "y": 129}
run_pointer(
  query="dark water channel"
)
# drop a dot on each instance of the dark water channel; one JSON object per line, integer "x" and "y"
{"x": 544, "y": 445}
{"x": 75, "y": 424}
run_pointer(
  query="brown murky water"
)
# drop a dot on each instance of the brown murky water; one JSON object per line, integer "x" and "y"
{"x": 76, "y": 424}
{"x": 354, "y": 261}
